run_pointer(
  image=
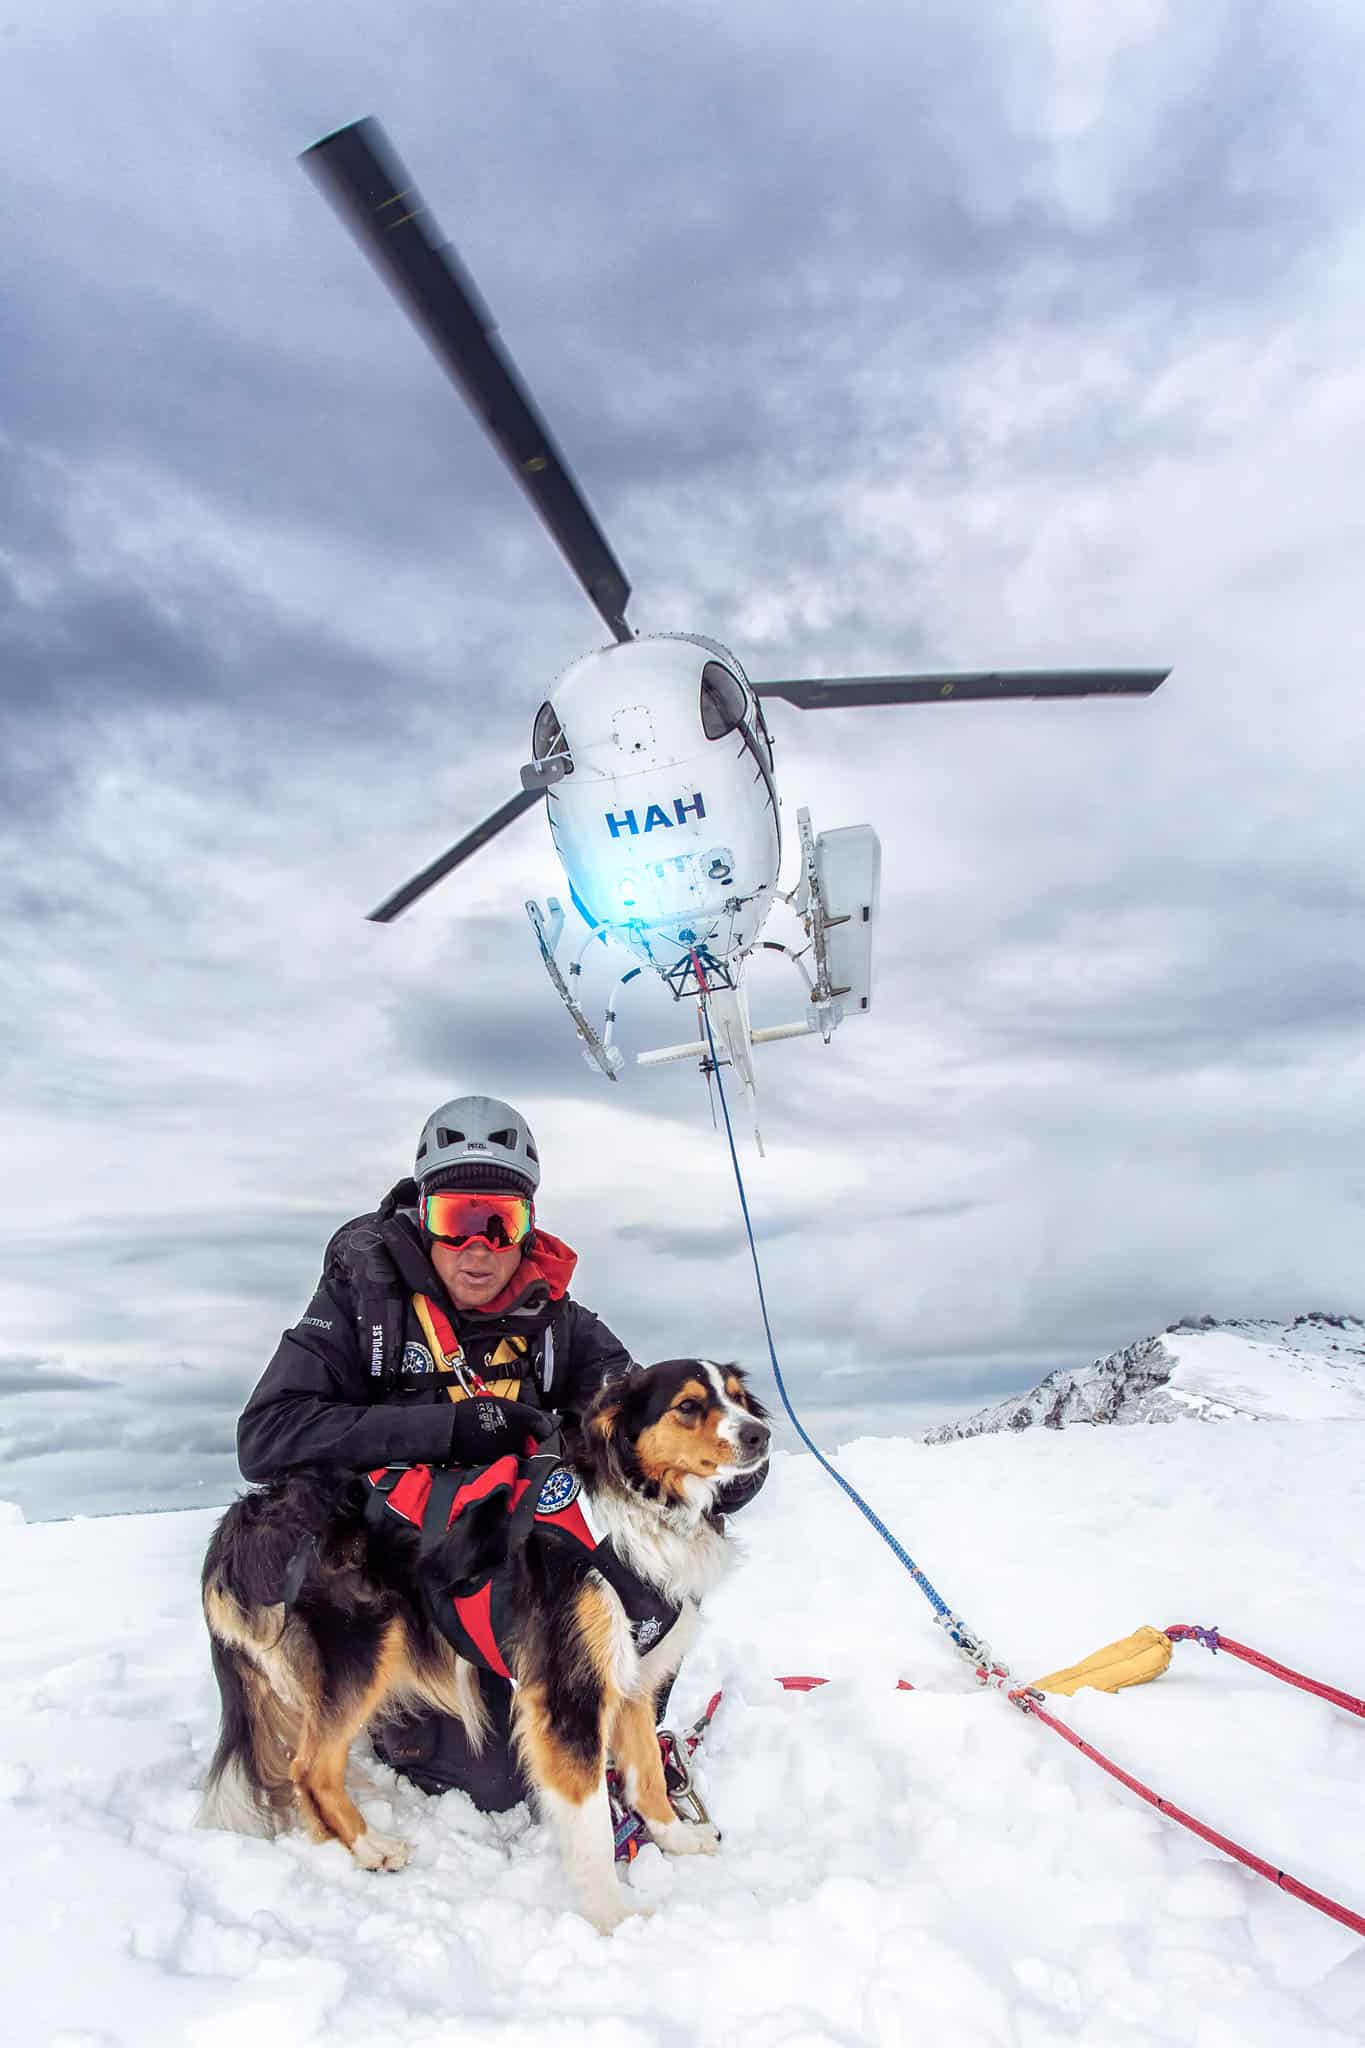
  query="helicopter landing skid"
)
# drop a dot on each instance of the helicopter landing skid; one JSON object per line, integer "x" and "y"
{"x": 608, "y": 1059}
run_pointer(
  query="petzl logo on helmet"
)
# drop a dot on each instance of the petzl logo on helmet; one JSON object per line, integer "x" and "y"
{"x": 559, "y": 1491}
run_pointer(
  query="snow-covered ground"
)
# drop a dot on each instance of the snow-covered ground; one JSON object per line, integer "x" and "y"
{"x": 898, "y": 1867}
{"x": 1305, "y": 1374}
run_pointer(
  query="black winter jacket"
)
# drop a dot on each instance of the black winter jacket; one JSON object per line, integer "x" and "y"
{"x": 353, "y": 1382}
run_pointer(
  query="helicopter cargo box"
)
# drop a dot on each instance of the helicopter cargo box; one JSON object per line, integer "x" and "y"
{"x": 848, "y": 862}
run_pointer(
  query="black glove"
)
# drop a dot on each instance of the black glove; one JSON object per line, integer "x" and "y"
{"x": 484, "y": 1428}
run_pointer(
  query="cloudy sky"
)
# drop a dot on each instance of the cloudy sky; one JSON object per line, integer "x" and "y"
{"x": 882, "y": 337}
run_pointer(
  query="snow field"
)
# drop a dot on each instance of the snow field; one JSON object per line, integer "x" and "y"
{"x": 897, "y": 1867}
{"x": 1304, "y": 1379}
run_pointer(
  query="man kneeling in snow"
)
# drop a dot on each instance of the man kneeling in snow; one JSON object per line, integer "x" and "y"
{"x": 448, "y": 1287}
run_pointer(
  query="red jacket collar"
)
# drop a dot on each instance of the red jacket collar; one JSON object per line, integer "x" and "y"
{"x": 550, "y": 1265}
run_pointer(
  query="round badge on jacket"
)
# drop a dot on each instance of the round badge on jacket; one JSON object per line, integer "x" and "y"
{"x": 559, "y": 1490}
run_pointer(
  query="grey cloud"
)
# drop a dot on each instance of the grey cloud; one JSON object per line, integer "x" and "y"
{"x": 507, "y": 1048}
{"x": 24, "y": 1442}
{"x": 33, "y": 1376}
{"x": 841, "y": 245}
{"x": 188, "y": 1388}
{"x": 177, "y": 1432}
{"x": 206, "y": 1439}
{"x": 466, "y": 1031}
{"x": 1239, "y": 968}
{"x": 711, "y": 1241}
{"x": 84, "y": 639}
{"x": 233, "y": 1258}
{"x": 923, "y": 1212}
{"x": 699, "y": 1241}
{"x": 66, "y": 1482}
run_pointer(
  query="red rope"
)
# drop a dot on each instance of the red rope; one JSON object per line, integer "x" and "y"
{"x": 1180, "y": 1631}
{"x": 809, "y": 1684}
{"x": 1355, "y": 1921}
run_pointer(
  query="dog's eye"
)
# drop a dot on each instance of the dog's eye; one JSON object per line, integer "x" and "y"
{"x": 689, "y": 1408}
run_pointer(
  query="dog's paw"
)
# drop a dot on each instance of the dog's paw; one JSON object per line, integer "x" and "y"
{"x": 379, "y": 1852}
{"x": 607, "y": 1914}
{"x": 686, "y": 1837}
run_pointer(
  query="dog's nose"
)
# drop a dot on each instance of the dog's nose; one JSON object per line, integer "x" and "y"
{"x": 753, "y": 1438}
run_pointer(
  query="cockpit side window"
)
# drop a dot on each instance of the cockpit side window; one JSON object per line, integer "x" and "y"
{"x": 547, "y": 734}
{"x": 723, "y": 703}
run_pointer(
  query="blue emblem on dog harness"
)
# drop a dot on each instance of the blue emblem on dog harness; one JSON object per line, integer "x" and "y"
{"x": 559, "y": 1490}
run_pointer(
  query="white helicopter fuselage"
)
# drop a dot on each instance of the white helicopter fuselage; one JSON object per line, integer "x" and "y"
{"x": 669, "y": 837}
{"x": 658, "y": 770}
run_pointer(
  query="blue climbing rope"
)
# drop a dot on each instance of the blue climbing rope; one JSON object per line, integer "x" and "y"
{"x": 970, "y": 1644}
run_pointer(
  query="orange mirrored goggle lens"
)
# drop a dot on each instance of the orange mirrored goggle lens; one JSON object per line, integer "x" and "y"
{"x": 456, "y": 1216}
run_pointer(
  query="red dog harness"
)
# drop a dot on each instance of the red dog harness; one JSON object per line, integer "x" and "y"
{"x": 541, "y": 1496}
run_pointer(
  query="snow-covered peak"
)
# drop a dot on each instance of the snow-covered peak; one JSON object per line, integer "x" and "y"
{"x": 1309, "y": 1370}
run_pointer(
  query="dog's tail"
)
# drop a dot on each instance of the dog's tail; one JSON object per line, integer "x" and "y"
{"x": 249, "y": 1788}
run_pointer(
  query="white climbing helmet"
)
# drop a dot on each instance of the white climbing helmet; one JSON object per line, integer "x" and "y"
{"x": 477, "y": 1142}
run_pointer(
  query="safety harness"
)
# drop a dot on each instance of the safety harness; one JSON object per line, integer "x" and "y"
{"x": 448, "y": 1356}
{"x": 471, "y": 1601}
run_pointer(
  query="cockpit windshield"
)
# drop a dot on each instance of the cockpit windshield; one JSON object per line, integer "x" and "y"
{"x": 547, "y": 734}
{"x": 723, "y": 702}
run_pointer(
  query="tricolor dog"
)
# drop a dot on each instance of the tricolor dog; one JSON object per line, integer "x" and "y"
{"x": 334, "y": 1599}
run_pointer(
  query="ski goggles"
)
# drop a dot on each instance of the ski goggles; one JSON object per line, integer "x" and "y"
{"x": 457, "y": 1215}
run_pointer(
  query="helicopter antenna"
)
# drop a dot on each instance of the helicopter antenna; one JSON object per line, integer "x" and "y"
{"x": 357, "y": 169}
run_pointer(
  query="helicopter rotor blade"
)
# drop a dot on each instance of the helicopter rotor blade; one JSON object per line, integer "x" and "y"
{"x": 393, "y": 906}
{"x": 989, "y": 685}
{"x": 359, "y": 172}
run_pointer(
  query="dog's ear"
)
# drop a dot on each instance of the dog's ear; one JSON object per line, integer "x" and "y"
{"x": 604, "y": 1414}
{"x": 603, "y": 1420}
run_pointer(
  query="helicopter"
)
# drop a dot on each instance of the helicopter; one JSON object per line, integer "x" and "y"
{"x": 652, "y": 753}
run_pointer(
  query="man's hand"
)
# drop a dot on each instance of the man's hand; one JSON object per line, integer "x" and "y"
{"x": 484, "y": 1428}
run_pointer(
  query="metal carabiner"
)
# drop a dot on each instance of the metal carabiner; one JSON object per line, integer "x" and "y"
{"x": 683, "y": 1795}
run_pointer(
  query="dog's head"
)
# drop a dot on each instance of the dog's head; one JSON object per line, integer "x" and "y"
{"x": 679, "y": 1429}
